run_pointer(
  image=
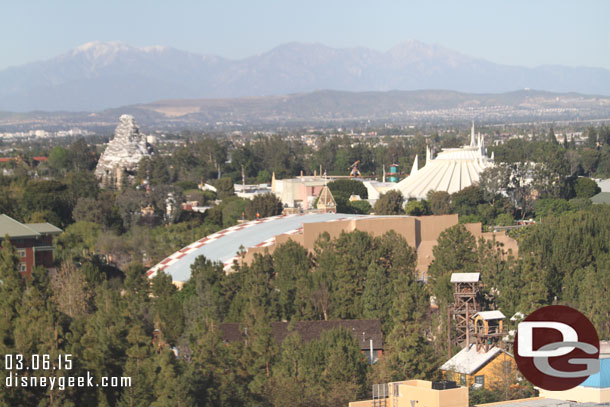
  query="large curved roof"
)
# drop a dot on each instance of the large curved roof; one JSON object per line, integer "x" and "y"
{"x": 223, "y": 246}
{"x": 451, "y": 175}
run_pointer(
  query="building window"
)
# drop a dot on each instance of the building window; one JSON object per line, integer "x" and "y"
{"x": 21, "y": 253}
{"x": 463, "y": 380}
{"x": 22, "y": 267}
{"x": 479, "y": 381}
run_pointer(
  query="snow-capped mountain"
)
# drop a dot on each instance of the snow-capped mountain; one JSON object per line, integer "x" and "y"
{"x": 99, "y": 75}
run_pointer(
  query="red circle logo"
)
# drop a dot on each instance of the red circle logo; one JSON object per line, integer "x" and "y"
{"x": 556, "y": 348}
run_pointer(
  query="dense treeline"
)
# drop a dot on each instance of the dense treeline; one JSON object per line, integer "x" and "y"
{"x": 562, "y": 260}
{"x": 124, "y": 325}
{"x": 541, "y": 168}
{"x": 101, "y": 308}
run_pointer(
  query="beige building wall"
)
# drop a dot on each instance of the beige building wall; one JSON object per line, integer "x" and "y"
{"x": 420, "y": 232}
{"x": 509, "y": 245}
{"x": 420, "y": 392}
{"x": 432, "y": 226}
{"x": 580, "y": 394}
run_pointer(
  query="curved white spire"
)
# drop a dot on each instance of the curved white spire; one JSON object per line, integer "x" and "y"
{"x": 472, "y": 141}
{"x": 415, "y": 167}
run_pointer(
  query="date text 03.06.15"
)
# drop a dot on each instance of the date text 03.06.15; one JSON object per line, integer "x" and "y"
{"x": 37, "y": 362}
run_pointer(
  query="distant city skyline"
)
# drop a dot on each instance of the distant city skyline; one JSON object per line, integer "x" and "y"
{"x": 517, "y": 32}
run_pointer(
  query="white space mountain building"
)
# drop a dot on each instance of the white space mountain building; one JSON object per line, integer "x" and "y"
{"x": 452, "y": 170}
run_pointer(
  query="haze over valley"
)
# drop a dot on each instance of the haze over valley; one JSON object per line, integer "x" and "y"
{"x": 102, "y": 75}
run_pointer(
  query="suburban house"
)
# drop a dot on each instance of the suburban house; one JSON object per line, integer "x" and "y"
{"x": 480, "y": 368}
{"x": 32, "y": 241}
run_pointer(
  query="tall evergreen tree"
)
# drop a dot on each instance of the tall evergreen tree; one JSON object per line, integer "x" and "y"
{"x": 168, "y": 314}
{"x": 140, "y": 367}
{"x": 170, "y": 389}
{"x": 455, "y": 252}
{"x": 103, "y": 345}
{"x": 292, "y": 265}
{"x": 376, "y": 297}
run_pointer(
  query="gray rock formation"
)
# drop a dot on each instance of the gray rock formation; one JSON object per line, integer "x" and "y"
{"x": 123, "y": 154}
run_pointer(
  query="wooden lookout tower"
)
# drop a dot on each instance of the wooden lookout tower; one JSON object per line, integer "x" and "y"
{"x": 488, "y": 327}
{"x": 465, "y": 289}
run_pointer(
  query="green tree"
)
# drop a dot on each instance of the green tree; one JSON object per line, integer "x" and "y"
{"x": 390, "y": 203}
{"x": 551, "y": 207}
{"x": 494, "y": 180}
{"x": 11, "y": 293}
{"x": 504, "y": 219}
{"x": 467, "y": 200}
{"x": 349, "y": 257}
{"x": 204, "y": 294}
{"x": 534, "y": 292}
{"x": 361, "y": 207}
{"x": 264, "y": 205}
{"x": 102, "y": 345}
{"x": 82, "y": 158}
{"x": 334, "y": 363}
{"x": 439, "y": 202}
{"x": 168, "y": 315}
{"x": 140, "y": 367}
{"x": 88, "y": 210}
{"x": 59, "y": 159}
{"x": 129, "y": 205}
{"x": 48, "y": 196}
{"x": 212, "y": 371}
{"x": 552, "y": 138}
{"x": 376, "y": 297}
{"x": 292, "y": 265}
{"x": 78, "y": 241}
{"x": 586, "y": 188}
{"x": 81, "y": 184}
{"x": 417, "y": 208}
{"x": 224, "y": 187}
{"x": 169, "y": 388}
{"x": 409, "y": 354}
{"x": 348, "y": 187}
{"x": 455, "y": 252}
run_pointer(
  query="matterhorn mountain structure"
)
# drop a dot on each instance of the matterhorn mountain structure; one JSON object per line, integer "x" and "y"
{"x": 120, "y": 160}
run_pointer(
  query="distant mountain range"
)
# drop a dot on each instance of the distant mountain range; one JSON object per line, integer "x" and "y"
{"x": 102, "y": 75}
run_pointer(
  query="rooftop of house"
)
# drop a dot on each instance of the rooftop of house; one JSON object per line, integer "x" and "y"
{"x": 490, "y": 315}
{"x": 539, "y": 402}
{"x": 465, "y": 277}
{"x": 468, "y": 360}
{"x": 15, "y": 229}
{"x": 601, "y": 198}
{"x": 604, "y": 349}
{"x": 364, "y": 330}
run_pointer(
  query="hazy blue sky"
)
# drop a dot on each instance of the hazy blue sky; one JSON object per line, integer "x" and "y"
{"x": 517, "y": 32}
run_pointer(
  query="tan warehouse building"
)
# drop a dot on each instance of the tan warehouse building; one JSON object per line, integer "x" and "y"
{"x": 420, "y": 232}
